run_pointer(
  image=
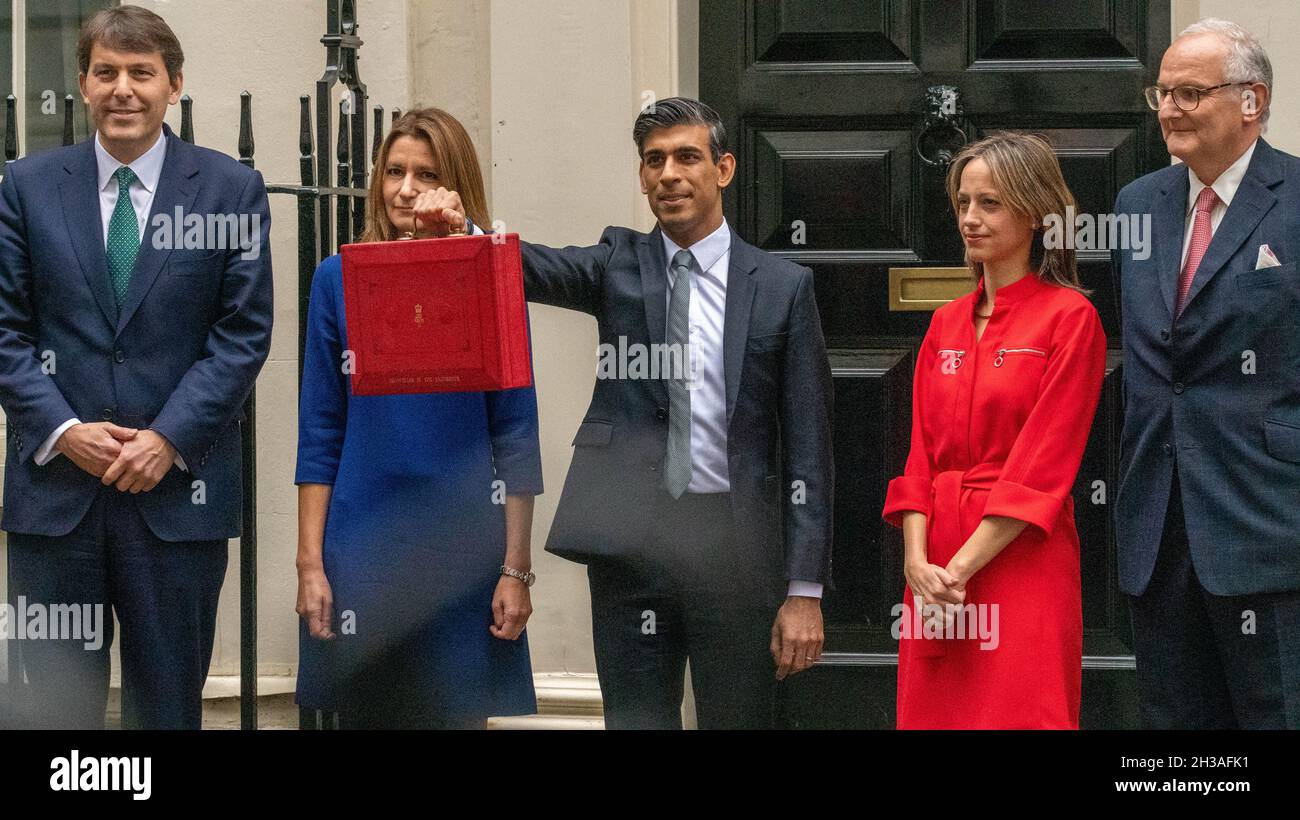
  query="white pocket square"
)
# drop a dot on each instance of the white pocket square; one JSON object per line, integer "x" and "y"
{"x": 1266, "y": 259}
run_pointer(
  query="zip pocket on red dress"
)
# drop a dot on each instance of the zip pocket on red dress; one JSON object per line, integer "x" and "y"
{"x": 951, "y": 360}
{"x": 1032, "y": 351}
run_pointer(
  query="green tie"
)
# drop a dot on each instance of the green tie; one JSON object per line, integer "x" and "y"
{"x": 123, "y": 235}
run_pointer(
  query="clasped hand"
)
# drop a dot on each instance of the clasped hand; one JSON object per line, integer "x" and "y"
{"x": 132, "y": 460}
{"x": 936, "y": 590}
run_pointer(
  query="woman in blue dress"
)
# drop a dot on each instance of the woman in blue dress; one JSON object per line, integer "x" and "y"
{"x": 414, "y": 511}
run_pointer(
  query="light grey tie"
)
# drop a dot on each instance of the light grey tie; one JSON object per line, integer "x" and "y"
{"x": 677, "y": 461}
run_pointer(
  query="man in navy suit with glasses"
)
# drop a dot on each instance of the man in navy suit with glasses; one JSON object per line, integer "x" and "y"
{"x": 1207, "y": 513}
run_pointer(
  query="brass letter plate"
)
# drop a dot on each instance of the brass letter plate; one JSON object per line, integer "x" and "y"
{"x": 927, "y": 288}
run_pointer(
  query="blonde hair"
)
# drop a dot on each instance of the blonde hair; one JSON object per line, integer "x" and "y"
{"x": 1029, "y": 181}
{"x": 453, "y": 156}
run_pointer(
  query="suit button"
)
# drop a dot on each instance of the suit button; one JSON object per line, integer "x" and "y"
{"x": 1164, "y": 334}
{"x": 1169, "y": 449}
{"x": 108, "y": 414}
{"x": 1178, "y": 387}
{"x": 119, "y": 356}
{"x": 661, "y": 413}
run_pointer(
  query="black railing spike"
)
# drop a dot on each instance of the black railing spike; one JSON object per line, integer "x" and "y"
{"x": 360, "y": 165}
{"x": 343, "y": 206}
{"x": 11, "y": 128}
{"x": 246, "y": 128}
{"x": 187, "y": 119}
{"x": 379, "y": 133}
{"x": 69, "y": 136}
{"x": 304, "y": 128}
{"x": 332, "y": 17}
{"x": 341, "y": 152}
{"x": 397, "y": 112}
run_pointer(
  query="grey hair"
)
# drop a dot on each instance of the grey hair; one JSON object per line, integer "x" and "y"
{"x": 672, "y": 111}
{"x": 1246, "y": 61}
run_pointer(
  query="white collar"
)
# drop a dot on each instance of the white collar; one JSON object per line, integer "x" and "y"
{"x": 147, "y": 167}
{"x": 1226, "y": 185}
{"x": 707, "y": 251}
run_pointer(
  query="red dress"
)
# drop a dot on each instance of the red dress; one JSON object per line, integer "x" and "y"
{"x": 999, "y": 427}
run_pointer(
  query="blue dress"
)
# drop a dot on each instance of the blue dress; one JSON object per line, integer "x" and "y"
{"x": 414, "y": 535}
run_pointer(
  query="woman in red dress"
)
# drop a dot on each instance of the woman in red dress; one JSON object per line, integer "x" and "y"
{"x": 1007, "y": 381}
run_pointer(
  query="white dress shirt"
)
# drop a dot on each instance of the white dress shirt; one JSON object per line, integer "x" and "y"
{"x": 708, "y": 312}
{"x": 1225, "y": 186}
{"x": 148, "y": 169}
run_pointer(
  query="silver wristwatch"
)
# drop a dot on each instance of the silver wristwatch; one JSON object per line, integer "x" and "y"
{"x": 526, "y": 577}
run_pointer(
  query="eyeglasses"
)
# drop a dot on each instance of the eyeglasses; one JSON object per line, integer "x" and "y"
{"x": 1186, "y": 97}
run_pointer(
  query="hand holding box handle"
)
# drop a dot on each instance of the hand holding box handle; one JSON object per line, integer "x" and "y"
{"x": 441, "y": 211}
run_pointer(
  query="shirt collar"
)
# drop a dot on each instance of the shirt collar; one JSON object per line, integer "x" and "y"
{"x": 1226, "y": 185}
{"x": 707, "y": 251}
{"x": 147, "y": 166}
{"x": 1024, "y": 287}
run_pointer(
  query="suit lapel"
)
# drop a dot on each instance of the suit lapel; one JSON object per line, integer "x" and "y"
{"x": 176, "y": 189}
{"x": 735, "y": 328}
{"x": 1252, "y": 200}
{"x": 79, "y": 191}
{"x": 654, "y": 290}
{"x": 1171, "y": 219}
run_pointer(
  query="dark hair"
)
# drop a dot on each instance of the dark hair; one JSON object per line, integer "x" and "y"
{"x": 133, "y": 29}
{"x": 672, "y": 111}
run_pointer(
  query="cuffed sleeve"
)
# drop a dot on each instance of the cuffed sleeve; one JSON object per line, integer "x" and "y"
{"x": 805, "y": 589}
{"x": 1024, "y": 504}
{"x": 45, "y": 453}
{"x": 912, "y": 491}
{"x": 1040, "y": 470}
{"x": 908, "y": 493}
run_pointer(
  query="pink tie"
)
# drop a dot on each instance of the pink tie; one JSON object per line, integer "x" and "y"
{"x": 1201, "y": 235}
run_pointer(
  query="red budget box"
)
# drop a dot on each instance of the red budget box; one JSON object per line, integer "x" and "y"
{"x": 436, "y": 315}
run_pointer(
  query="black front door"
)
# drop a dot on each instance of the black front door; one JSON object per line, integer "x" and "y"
{"x": 842, "y": 115}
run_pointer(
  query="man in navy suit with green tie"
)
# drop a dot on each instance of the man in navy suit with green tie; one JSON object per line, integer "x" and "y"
{"x": 124, "y": 363}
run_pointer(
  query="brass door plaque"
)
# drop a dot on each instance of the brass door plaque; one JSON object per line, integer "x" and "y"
{"x": 927, "y": 288}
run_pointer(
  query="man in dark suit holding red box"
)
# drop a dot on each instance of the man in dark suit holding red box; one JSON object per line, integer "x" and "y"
{"x": 700, "y": 490}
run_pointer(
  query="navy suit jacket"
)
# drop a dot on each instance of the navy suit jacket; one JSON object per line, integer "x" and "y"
{"x": 778, "y": 387}
{"x": 180, "y": 356}
{"x": 1214, "y": 395}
